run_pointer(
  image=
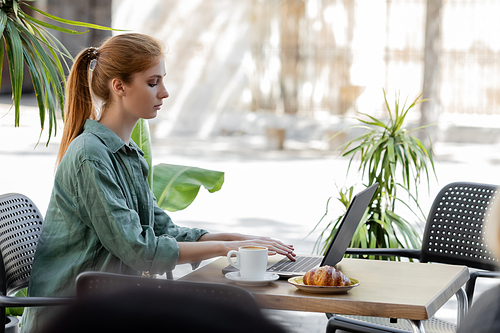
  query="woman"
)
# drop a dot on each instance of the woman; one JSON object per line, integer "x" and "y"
{"x": 102, "y": 215}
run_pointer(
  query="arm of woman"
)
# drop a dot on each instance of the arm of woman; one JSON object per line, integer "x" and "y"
{"x": 219, "y": 244}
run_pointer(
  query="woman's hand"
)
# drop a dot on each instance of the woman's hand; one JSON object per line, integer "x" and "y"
{"x": 233, "y": 241}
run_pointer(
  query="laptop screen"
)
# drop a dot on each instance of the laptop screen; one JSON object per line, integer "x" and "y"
{"x": 348, "y": 226}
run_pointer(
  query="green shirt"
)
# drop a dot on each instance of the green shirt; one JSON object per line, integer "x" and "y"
{"x": 102, "y": 216}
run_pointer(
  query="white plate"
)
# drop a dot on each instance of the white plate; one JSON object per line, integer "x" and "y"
{"x": 235, "y": 276}
{"x": 299, "y": 283}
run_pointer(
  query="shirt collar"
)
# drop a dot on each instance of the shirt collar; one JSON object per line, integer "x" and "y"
{"x": 108, "y": 137}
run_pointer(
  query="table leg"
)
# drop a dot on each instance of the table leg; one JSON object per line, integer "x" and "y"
{"x": 417, "y": 326}
{"x": 462, "y": 306}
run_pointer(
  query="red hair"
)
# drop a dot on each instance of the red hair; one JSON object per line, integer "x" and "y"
{"x": 118, "y": 57}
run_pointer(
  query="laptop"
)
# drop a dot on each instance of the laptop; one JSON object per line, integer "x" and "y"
{"x": 286, "y": 268}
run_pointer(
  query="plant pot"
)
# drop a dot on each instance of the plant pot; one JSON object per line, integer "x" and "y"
{"x": 275, "y": 137}
{"x": 11, "y": 324}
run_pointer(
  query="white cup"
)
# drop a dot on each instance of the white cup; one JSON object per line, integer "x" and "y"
{"x": 251, "y": 261}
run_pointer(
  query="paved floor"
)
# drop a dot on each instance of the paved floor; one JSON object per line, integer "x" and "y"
{"x": 281, "y": 194}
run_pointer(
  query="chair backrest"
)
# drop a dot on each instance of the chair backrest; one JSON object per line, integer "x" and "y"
{"x": 98, "y": 283}
{"x": 454, "y": 230}
{"x": 110, "y": 302}
{"x": 20, "y": 228}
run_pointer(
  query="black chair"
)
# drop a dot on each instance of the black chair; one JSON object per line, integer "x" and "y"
{"x": 453, "y": 235}
{"x": 117, "y": 303}
{"x": 20, "y": 227}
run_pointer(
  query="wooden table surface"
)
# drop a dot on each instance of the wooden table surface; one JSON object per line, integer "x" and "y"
{"x": 389, "y": 289}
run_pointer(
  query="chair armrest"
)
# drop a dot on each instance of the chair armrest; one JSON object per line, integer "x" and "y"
{"x": 7, "y": 301}
{"x": 407, "y": 253}
{"x": 469, "y": 286}
{"x": 485, "y": 274}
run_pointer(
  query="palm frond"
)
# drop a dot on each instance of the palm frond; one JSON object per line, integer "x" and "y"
{"x": 28, "y": 40}
{"x": 71, "y": 22}
{"x": 16, "y": 64}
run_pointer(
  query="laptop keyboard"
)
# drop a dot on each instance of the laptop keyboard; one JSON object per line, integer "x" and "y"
{"x": 301, "y": 264}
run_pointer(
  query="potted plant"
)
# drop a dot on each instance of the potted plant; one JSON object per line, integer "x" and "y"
{"x": 28, "y": 40}
{"x": 388, "y": 154}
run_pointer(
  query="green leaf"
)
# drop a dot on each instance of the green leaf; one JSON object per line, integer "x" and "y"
{"x": 55, "y": 48}
{"x": 70, "y": 22}
{"x": 15, "y": 56}
{"x": 49, "y": 74}
{"x": 3, "y": 22}
{"x": 37, "y": 85}
{"x": 54, "y": 27}
{"x": 319, "y": 222}
{"x": 17, "y": 311}
{"x": 374, "y": 122}
{"x": 142, "y": 137}
{"x": 391, "y": 156}
{"x": 176, "y": 186}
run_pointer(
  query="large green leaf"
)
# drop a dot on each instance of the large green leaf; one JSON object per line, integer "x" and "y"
{"x": 176, "y": 186}
{"x": 17, "y": 311}
{"x": 142, "y": 138}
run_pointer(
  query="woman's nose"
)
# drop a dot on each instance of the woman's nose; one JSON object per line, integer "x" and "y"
{"x": 164, "y": 93}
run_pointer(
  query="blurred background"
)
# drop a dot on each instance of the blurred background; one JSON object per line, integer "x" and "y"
{"x": 261, "y": 86}
{"x": 300, "y": 69}
{"x": 257, "y": 88}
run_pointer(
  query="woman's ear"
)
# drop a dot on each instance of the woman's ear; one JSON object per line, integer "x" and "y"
{"x": 118, "y": 87}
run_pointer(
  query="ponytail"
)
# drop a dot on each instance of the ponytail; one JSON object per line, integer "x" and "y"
{"x": 118, "y": 57}
{"x": 78, "y": 102}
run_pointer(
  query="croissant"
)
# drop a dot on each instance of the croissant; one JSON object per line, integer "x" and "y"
{"x": 326, "y": 276}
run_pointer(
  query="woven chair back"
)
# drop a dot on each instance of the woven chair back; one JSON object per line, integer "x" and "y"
{"x": 20, "y": 228}
{"x": 454, "y": 231}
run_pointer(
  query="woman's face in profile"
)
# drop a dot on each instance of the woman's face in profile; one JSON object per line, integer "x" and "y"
{"x": 144, "y": 95}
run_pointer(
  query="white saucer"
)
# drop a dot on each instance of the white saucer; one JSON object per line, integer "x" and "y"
{"x": 235, "y": 276}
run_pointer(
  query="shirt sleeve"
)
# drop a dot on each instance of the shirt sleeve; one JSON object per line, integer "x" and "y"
{"x": 119, "y": 227}
{"x": 164, "y": 225}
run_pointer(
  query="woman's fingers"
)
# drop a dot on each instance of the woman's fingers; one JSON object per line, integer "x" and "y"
{"x": 270, "y": 240}
{"x": 289, "y": 255}
{"x": 274, "y": 246}
{"x": 283, "y": 250}
{"x": 279, "y": 244}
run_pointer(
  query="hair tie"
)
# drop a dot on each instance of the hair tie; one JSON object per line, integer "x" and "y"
{"x": 93, "y": 51}
{"x": 93, "y": 62}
